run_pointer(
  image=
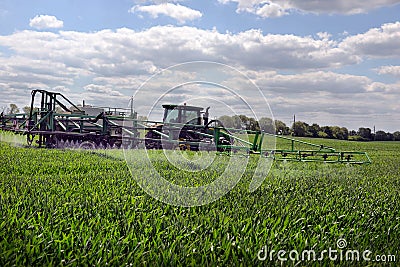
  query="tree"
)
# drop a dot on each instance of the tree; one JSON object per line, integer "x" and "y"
{"x": 328, "y": 131}
{"x": 240, "y": 122}
{"x": 227, "y": 121}
{"x": 382, "y": 136}
{"x": 253, "y": 125}
{"x": 300, "y": 128}
{"x": 345, "y": 133}
{"x": 352, "y": 133}
{"x": 335, "y": 132}
{"x": 244, "y": 119}
{"x": 13, "y": 109}
{"x": 365, "y": 133}
{"x": 396, "y": 136}
{"x": 314, "y": 129}
{"x": 267, "y": 125}
{"x": 27, "y": 109}
{"x": 389, "y": 137}
{"x": 237, "y": 122}
{"x": 281, "y": 128}
{"x": 339, "y": 132}
{"x": 244, "y": 122}
{"x": 322, "y": 134}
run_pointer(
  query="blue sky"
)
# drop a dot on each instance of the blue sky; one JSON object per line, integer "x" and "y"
{"x": 332, "y": 62}
{"x": 94, "y": 15}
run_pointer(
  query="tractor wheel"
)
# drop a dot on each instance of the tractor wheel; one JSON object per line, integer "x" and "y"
{"x": 152, "y": 141}
{"x": 87, "y": 145}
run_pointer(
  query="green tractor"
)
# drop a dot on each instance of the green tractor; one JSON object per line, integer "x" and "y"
{"x": 186, "y": 127}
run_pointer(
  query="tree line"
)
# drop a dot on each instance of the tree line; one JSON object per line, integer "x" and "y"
{"x": 303, "y": 129}
{"x": 14, "y": 109}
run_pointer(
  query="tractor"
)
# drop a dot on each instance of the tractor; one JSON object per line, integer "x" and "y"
{"x": 186, "y": 127}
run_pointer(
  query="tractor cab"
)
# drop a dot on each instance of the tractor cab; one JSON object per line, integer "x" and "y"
{"x": 181, "y": 123}
{"x": 184, "y": 114}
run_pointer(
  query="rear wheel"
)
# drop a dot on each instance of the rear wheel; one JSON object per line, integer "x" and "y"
{"x": 87, "y": 145}
{"x": 152, "y": 140}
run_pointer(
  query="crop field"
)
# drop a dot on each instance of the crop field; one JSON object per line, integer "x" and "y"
{"x": 71, "y": 207}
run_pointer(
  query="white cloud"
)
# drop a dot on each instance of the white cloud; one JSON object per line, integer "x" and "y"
{"x": 110, "y": 65}
{"x": 390, "y": 70}
{"x": 340, "y": 6}
{"x": 61, "y": 89}
{"x": 176, "y": 11}
{"x": 45, "y": 22}
{"x": 102, "y": 90}
{"x": 377, "y": 42}
{"x": 261, "y": 8}
{"x": 319, "y": 81}
{"x": 270, "y": 10}
{"x": 324, "y": 35}
{"x": 277, "y": 8}
{"x": 125, "y": 51}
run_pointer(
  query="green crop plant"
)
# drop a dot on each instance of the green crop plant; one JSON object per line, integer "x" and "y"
{"x": 71, "y": 207}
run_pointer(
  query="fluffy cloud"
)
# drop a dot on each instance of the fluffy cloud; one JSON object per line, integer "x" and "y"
{"x": 45, "y": 22}
{"x": 277, "y": 8}
{"x": 340, "y": 6}
{"x": 295, "y": 72}
{"x": 390, "y": 70}
{"x": 377, "y": 42}
{"x": 270, "y": 10}
{"x": 125, "y": 51}
{"x": 102, "y": 90}
{"x": 176, "y": 11}
{"x": 320, "y": 81}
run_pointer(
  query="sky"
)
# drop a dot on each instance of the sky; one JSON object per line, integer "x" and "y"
{"x": 331, "y": 62}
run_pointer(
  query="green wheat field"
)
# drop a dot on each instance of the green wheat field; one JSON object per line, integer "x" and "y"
{"x": 70, "y": 207}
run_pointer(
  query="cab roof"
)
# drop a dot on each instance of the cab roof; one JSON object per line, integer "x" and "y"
{"x": 184, "y": 107}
